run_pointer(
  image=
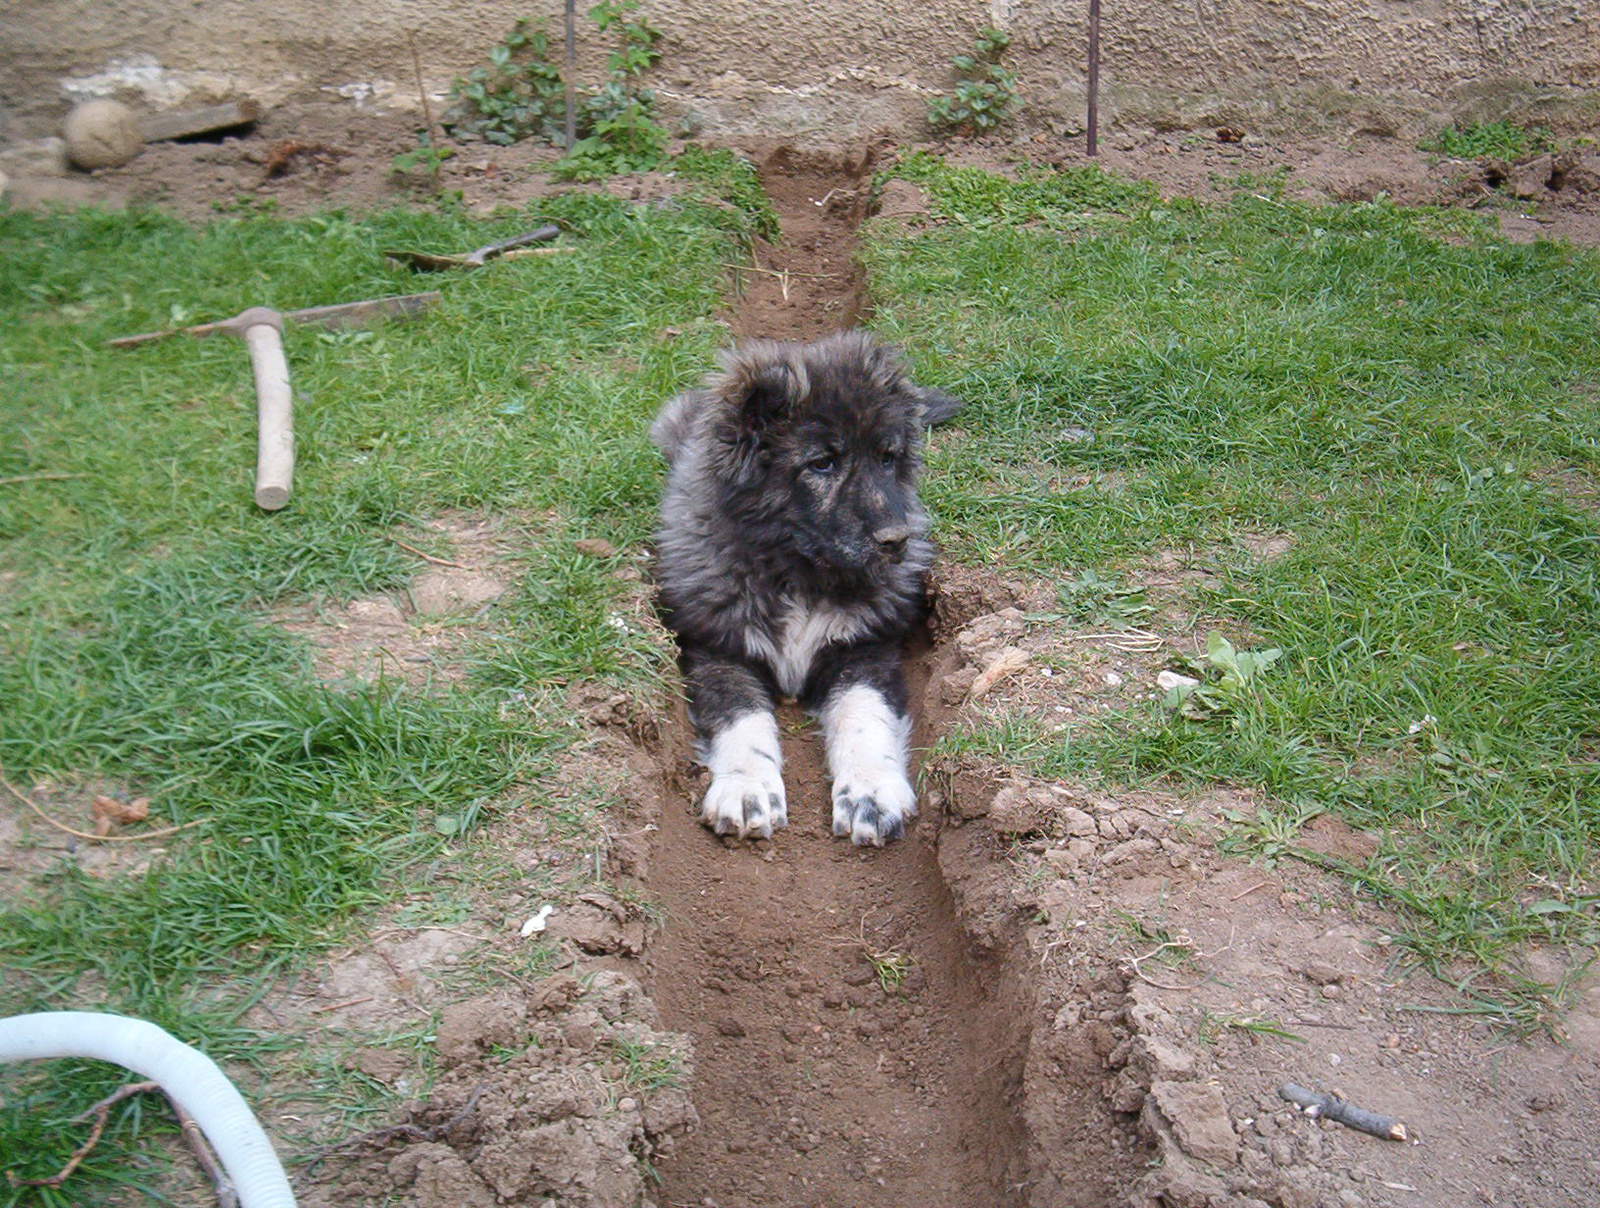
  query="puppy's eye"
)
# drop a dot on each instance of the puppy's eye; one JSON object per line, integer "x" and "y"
{"x": 888, "y": 459}
{"x": 825, "y": 464}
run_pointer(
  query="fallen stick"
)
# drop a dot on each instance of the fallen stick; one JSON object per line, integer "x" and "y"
{"x": 406, "y": 1132}
{"x": 47, "y": 477}
{"x": 101, "y": 1112}
{"x": 411, "y": 549}
{"x": 92, "y": 838}
{"x": 1331, "y": 1107}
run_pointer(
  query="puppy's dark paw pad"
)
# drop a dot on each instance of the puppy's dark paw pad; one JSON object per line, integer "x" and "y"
{"x": 745, "y": 805}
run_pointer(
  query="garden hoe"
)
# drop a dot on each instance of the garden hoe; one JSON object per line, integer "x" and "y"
{"x": 261, "y": 328}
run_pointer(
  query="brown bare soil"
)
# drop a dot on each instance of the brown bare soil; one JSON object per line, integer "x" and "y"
{"x": 1048, "y": 995}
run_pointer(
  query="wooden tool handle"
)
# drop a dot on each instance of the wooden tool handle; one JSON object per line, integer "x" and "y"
{"x": 262, "y": 331}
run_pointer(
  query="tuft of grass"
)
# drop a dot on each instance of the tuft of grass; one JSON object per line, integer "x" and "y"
{"x": 646, "y": 1066}
{"x": 137, "y": 644}
{"x": 1064, "y": 198}
{"x": 1402, "y": 392}
{"x": 1500, "y": 140}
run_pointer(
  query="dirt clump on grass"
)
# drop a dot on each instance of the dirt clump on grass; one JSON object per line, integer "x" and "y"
{"x": 550, "y": 1093}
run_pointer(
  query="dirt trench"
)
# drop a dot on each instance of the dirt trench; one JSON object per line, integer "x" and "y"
{"x": 853, "y": 1045}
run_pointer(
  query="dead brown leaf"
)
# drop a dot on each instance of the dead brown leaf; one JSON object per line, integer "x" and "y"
{"x": 109, "y": 813}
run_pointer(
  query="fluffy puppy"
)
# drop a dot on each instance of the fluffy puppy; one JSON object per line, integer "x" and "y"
{"x": 792, "y": 560}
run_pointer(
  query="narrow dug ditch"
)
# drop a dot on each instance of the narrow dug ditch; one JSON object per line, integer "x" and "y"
{"x": 853, "y": 1044}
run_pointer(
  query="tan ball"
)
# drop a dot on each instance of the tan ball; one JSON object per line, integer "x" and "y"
{"x": 101, "y": 134}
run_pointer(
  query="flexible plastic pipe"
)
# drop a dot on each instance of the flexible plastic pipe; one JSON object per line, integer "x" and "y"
{"x": 192, "y": 1080}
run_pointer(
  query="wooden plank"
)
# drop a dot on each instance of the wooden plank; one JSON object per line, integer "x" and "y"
{"x": 185, "y": 123}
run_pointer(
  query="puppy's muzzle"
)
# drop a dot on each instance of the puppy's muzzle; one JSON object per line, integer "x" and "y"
{"x": 891, "y": 539}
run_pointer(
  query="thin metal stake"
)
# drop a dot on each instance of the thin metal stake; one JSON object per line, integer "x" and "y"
{"x": 572, "y": 68}
{"x": 1094, "y": 77}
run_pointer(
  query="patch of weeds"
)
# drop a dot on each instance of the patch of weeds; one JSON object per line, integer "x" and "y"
{"x": 623, "y": 135}
{"x": 890, "y": 966}
{"x": 1058, "y": 197}
{"x": 1267, "y": 836}
{"x": 521, "y": 94}
{"x": 630, "y": 140}
{"x": 1220, "y": 679}
{"x": 1211, "y": 1025}
{"x": 246, "y": 204}
{"x": 985, "y": 96}
{"x": 1088, "y": 600}
{"x": 1500, "y": 140}
{"x": 425, "y": 155}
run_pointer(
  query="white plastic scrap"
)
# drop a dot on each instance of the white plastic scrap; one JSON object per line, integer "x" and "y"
{"x": 537, "y": 923}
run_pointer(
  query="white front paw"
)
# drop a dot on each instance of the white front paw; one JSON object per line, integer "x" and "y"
{"x": 873, "y": 812}
{"x": 745, "y": 804}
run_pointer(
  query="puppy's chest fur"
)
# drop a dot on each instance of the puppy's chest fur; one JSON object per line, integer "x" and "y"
{"x": 788, "y": 644}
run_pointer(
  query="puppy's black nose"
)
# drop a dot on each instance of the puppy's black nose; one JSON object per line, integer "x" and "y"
{"x": 891, "y": 539}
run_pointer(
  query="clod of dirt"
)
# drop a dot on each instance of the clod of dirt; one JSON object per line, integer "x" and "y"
{"x": 109, "y": 813}
{"x": 448, "y": 592}
{"x": 982, "y": 640}
{"x": 599, "y": 926}
{"x": 550, "y": 1098}
{"x": 1198, "y": 1116}
{"x": 470, "y": 1029}
{"x": 381, "y": 1065}
{"x": 901, "y": 199}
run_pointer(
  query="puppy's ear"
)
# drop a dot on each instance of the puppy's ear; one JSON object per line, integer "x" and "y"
{"x": 762, "y": 388}
{"x": 757, "y": 391}
{"x": 937, "y": 406}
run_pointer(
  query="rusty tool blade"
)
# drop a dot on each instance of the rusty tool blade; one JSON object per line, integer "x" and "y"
{"x": 477, "y": 258}
{"x": 341, "y": 314}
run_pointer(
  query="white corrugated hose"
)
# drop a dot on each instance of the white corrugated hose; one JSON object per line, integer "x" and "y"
{"x": 192, "y": 1080}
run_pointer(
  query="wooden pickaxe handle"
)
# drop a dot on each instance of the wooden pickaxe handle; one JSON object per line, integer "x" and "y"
{"x": 261, "y": 328}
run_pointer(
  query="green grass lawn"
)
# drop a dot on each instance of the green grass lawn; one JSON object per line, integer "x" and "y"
{"x": 136, "y": 646}
{"x": 1412, "y": 400}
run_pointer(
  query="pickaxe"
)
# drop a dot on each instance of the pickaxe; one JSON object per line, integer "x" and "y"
{"x": 261, "y": 328}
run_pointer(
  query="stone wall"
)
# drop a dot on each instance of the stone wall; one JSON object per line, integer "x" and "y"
{"x": 818, "y": 71}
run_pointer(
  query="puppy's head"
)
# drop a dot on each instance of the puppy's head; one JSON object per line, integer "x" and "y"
{"x": 819, "y": 444}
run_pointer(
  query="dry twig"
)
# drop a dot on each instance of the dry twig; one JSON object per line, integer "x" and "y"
{"x": 1331, "y": 1107}
{"x": 5, "y": 482}
{"x": 408, "y": 1132}
{"x": 411, "y": 549}
{"x": 101, "y": 1112}
{"x": 93, "y": 838}
{"x": 221, "y": 1184}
